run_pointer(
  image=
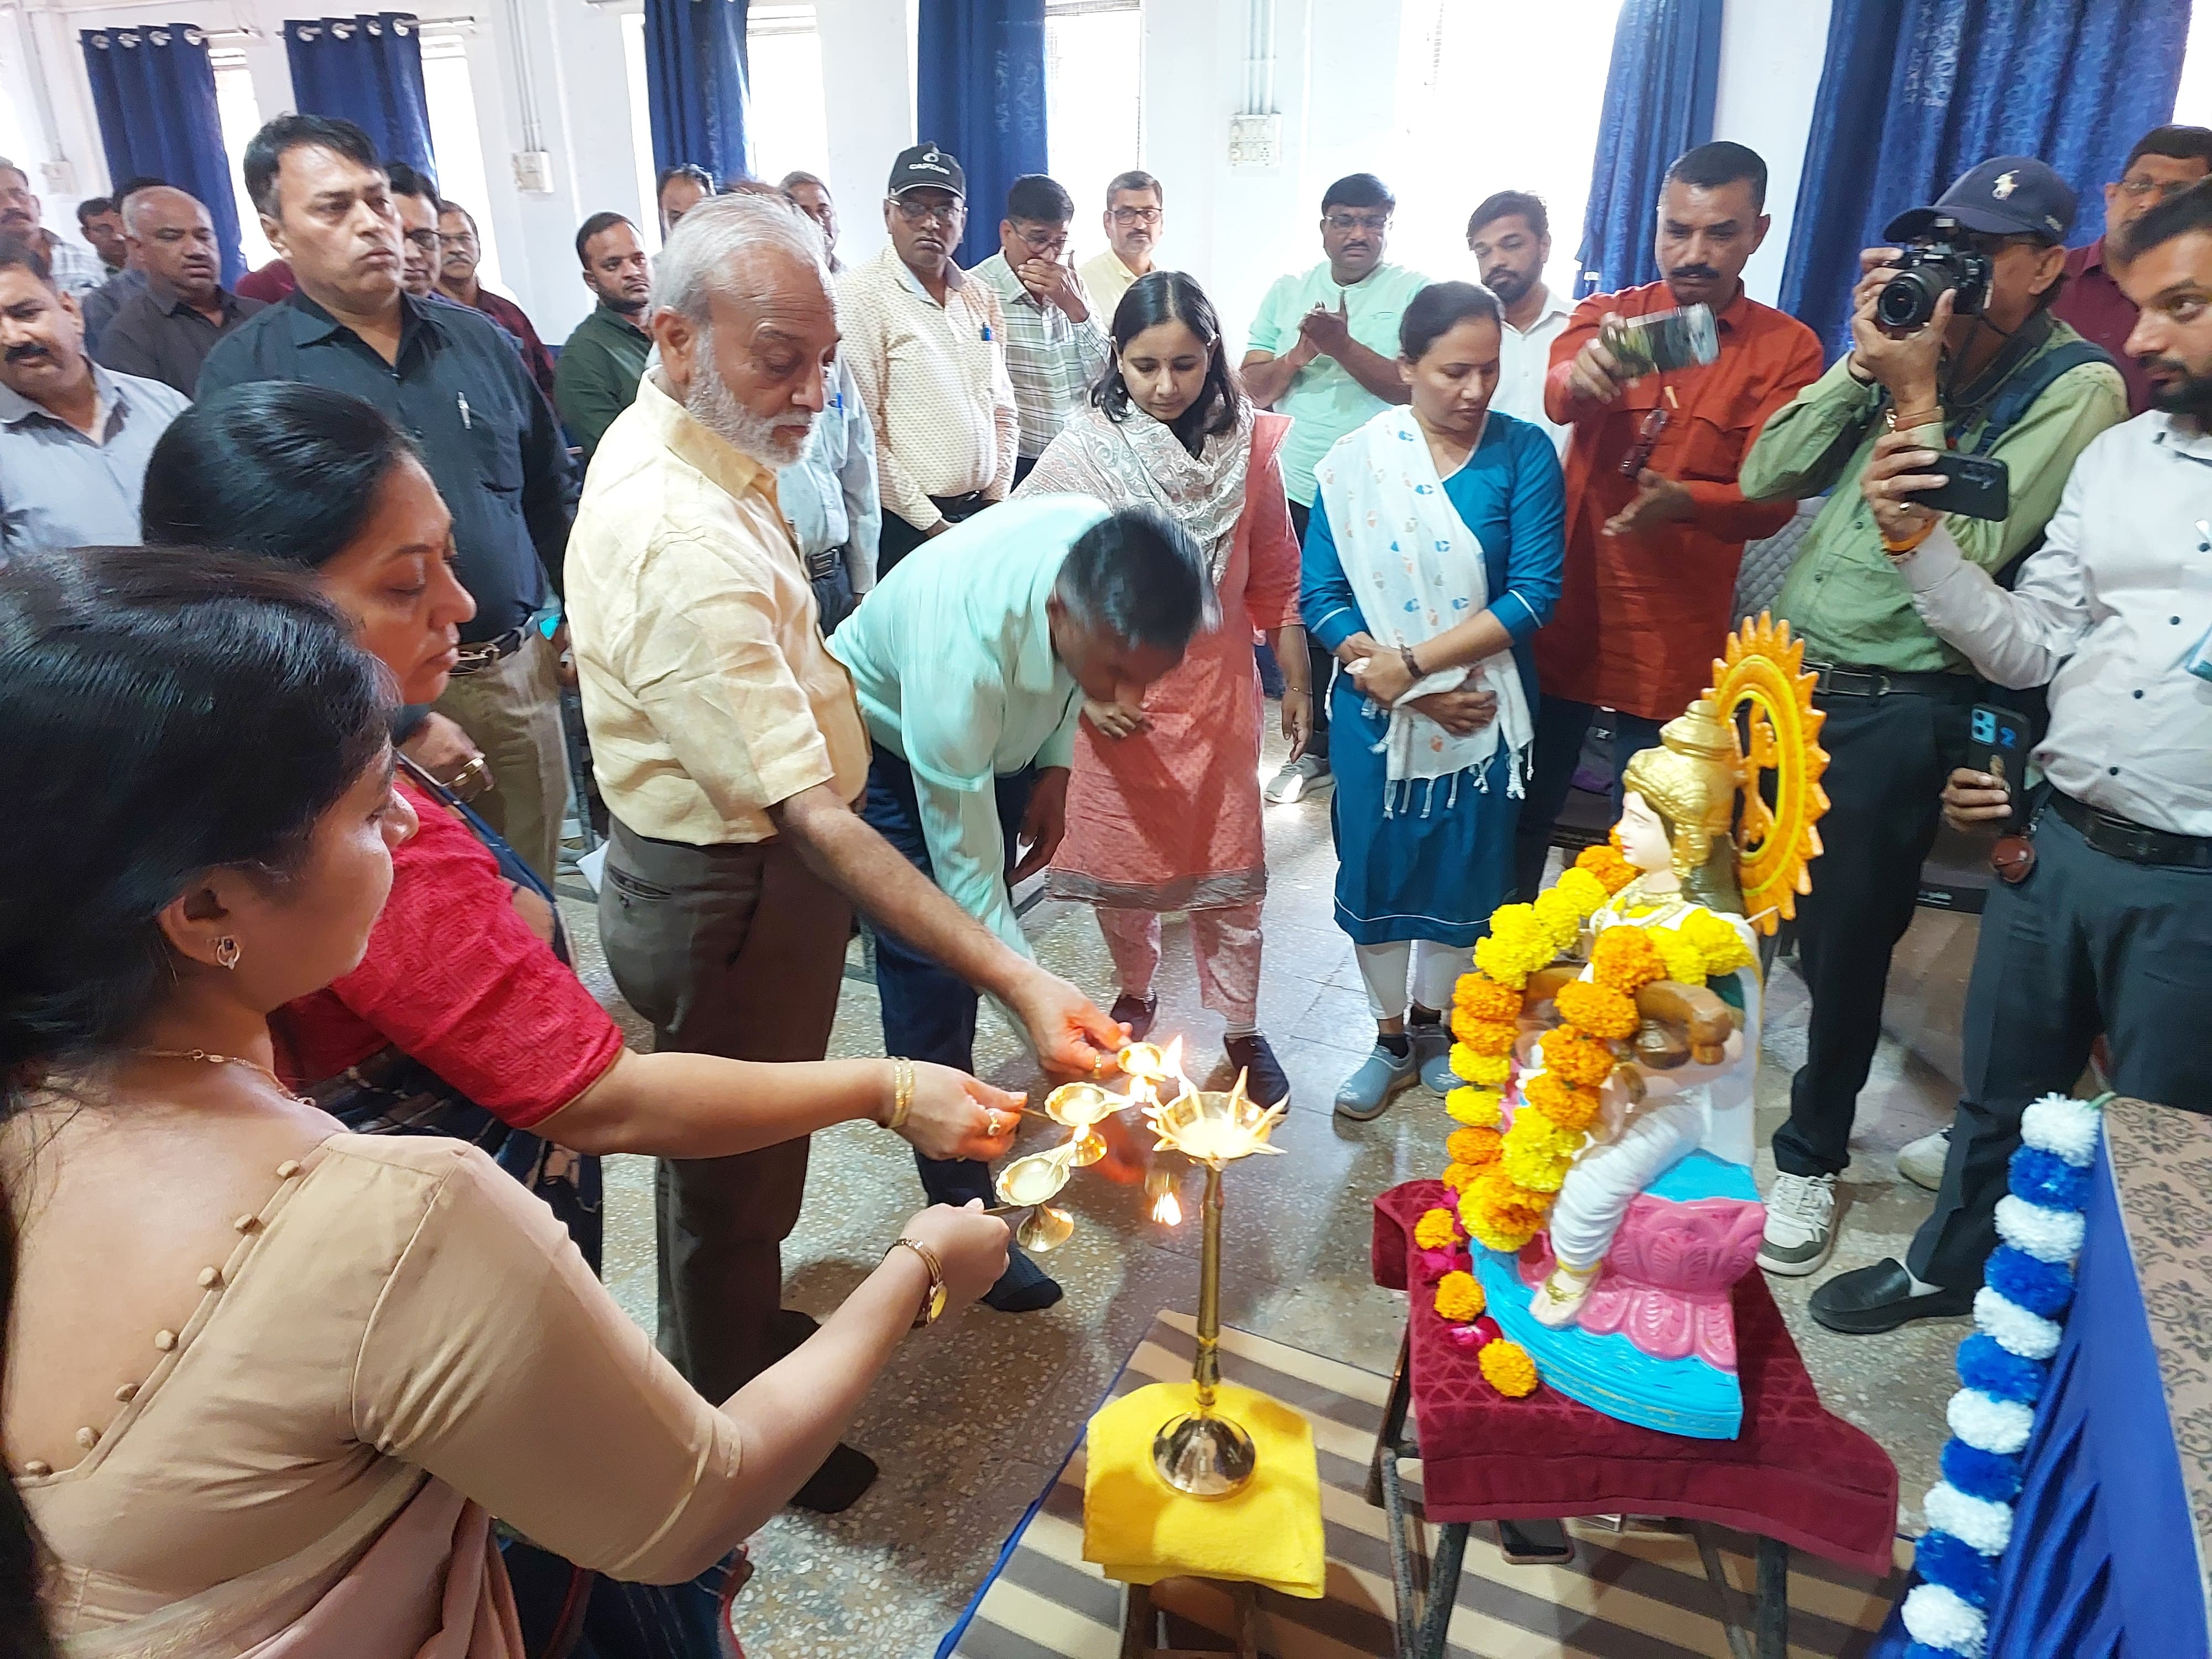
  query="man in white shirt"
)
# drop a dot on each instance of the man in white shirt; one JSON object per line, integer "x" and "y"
{"x": 1511, "y": 237}
{"x": 1135, "y": 214}
{"x": 2103, "y": 922}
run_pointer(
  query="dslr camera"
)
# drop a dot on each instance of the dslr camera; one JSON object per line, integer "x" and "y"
{"x": 1907, "y": 300}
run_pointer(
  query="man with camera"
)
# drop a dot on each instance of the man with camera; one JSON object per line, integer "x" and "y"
{"x": 2103, "y": 921}
{"x": 1953, "y": 342}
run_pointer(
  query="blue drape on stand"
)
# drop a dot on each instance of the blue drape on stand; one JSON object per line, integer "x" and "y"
{"x": 697, "y": 92}
{"x": 367, "y": 70}
{"x": 1658, "y": 102}
{"x": 1915, "y": 92}
{"x": 154, "y": 91}
{"x": 979, "y": 90}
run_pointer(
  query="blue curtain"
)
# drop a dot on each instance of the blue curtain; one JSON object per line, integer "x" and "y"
{"x": 979, "y": 93}
{"x": 1658, "y": 102}
{"x": 697, "y": 90}
{"x": 154, "y": 91}
{"x": 367, "y": 70}
{"x": 1915, "y": 92}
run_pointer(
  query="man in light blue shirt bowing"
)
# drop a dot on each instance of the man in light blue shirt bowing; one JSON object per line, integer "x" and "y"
{"x": 972, "y": 663}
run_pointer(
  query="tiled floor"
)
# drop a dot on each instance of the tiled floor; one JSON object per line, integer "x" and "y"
{"x": 972, "y": 1417}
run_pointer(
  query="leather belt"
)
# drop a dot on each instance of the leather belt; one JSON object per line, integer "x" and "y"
{"x": 819, "y": 565}
{"x": 957, "y": 508}
{"x": 2138, "y": 843}
{"x": 476, "y": 656}
{"x": 1843, "y": 679}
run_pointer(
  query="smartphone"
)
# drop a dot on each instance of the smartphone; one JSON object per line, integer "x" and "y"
{"x": 1663, "y": 341}
{"x": 1978, "y": 486}
{"x": 1997, "y": 744}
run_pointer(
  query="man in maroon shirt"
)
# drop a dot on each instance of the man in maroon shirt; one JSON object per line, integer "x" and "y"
{"x": 458, "y": 252}
{"x": 2165, "y": 161}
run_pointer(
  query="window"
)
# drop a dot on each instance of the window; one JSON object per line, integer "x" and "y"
{"x": 238, "y": 112}
{"x": 1093, "y": 102}
{"x": 456, "y": 141}
{"x": 1487, "y": 100}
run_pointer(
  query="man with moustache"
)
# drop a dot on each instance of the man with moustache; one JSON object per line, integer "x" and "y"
{"x": 1135, "y": 216}
{"x": 1656, "y": 521}
{"x": 599, "y": 368}
{"x": 928, "y": 347}
{"x": 1511, "y": 237}
{"x": 731, "y": 751}
{"x": 166, "y": 332}
{"x": 1324, "y": 351}
{"x": 75, "y": 269}
{"x": 75, "y": 437}
{"x": 812, "y": 197}
{"x": 100, "y": 221}
{"x": 677, "y": 190}
{"x": 458, "y": 254}
{"x": 451, "y": 379}
{"x": 2109, "y": 928}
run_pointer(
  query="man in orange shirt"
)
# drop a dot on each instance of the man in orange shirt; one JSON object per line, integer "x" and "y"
{"x": 1656, "y": 523}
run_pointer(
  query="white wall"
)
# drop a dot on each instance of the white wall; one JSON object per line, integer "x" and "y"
{"x": 1771, "y": 56}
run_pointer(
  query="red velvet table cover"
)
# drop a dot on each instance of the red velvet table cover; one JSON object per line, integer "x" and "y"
{"x": 1797, "y": 1473}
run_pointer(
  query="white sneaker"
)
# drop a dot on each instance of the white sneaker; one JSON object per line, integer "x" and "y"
{"x": 1922, "y": 1161}
{"x": 1801, "y": 1225}
{"x": 1301, "y": 780}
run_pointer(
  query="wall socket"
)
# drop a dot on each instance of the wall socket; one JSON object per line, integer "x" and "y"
{"x": 533, "y": 171}
{"x": 1255, "y": 143}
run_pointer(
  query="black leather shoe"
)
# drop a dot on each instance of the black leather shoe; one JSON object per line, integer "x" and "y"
{"x": 837, "y": 1485}
{"x": 1868, "y": 1300}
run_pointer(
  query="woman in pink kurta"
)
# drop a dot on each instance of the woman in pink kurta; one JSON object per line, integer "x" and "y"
{"x": 1164, "y": 808}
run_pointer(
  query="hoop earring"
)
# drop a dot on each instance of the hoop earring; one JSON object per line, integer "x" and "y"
{"x": 226, "y": 952}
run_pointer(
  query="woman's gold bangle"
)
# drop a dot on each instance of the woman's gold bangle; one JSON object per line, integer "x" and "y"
{"x": 902, "y": 1093}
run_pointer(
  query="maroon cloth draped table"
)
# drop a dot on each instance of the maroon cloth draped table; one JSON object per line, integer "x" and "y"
{"x": 1797, "y": 1473}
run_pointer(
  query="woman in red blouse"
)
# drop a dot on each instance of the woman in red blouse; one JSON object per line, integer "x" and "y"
{"x": 461, "y": 986}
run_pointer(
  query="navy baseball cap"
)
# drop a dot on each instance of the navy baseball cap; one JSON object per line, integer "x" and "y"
{"x": 2007, "y": 196}
{"x": 927, "y": 167}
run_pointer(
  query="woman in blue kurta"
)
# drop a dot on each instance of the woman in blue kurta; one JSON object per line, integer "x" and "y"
{"x": 1432, "y": 556}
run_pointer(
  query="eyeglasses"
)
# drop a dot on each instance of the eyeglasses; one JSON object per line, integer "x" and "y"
{"x": 1129, "y": 216}
{"x": 1046, "y": 244}
{"x": 426, "y": 240}
{"x": 2160, "y": 188}
{"x": 1377, "y": 221}
{"x": 922, "y": 213}
{"x": 1647, "y": 439}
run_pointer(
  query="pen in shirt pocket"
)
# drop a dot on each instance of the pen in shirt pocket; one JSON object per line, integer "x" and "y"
{"x": 461, "y": 402}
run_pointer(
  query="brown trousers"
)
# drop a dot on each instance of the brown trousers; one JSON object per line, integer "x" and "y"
{"x": 512, "y": 711}
{"x": 735, "y": 950}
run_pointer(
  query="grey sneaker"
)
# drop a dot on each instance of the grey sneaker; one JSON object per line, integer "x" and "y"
{"x": 1432, "y": 1055}
{"x": 1801, "y": 1225}
{"x": 1922, "y": 1161}
{"x": 1302, "y": 780}
{"x": 1365, "y": 1093}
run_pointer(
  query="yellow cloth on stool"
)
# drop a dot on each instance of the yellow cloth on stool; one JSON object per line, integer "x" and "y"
{"x": 1140, "y": 1530}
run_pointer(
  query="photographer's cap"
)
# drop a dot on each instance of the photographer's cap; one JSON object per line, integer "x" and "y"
{"x": 926, "y": 167}
{"x": 2006, "y": 195}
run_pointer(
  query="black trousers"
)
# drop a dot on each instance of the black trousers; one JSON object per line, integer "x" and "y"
{"x": 1887, "y": 759}
{"x": 1321, "y": 665}
{"x": 898, "y": 538}
{"x": 1561, "y": 727}
{"x": 2088, "y": 943}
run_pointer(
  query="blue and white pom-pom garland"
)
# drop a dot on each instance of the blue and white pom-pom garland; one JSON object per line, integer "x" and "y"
{"x": 2004, "y": 1365}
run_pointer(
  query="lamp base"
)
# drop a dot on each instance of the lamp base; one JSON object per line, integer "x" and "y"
{"x": 1204, "y": 1456}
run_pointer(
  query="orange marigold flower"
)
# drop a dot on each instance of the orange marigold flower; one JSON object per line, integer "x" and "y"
{"x": 1459, "y": 1298}
{"x": 1437, "y": 1229}
{"x": 1457, "y": 1175}
{"x": 1624, "y": 960}
{"x": 1569, "y": 1108}
{"x": 1485, "y": 1036}
{"x": 1608, "y": 865}
{"x": 1472, "y": 1146}
{"x": 1575, "y": 1058}
{"x": 1600, "y": 1010}
{"x": 1486, "y": 999}
{"x": 1508, "y": 1368}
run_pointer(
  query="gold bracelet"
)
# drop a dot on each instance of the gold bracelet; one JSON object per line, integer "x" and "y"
{"x": 902, "y": 1093}
{"x": 1898, "y": 550}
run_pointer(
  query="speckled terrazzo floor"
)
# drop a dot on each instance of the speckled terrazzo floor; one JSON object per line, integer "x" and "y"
{"x": 972, "y": 1417}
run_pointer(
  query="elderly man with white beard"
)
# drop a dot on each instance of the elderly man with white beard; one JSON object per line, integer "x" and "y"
{"x": 730, "y": 750}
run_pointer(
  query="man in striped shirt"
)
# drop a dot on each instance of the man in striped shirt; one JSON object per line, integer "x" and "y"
{"x": 926, "y": 343}
{"x": 1055, "y": 346}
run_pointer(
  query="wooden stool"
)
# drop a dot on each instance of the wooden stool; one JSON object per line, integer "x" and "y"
{"x": 1142, "y": 1632}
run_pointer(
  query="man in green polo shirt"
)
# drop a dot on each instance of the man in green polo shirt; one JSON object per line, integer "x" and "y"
{"x": 1324, "y": 351}
{"x": 599, "y": 368}
{"x": 1897, "y": 698}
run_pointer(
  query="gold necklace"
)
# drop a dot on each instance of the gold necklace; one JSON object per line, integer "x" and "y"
{"x": 211, "y": 1059}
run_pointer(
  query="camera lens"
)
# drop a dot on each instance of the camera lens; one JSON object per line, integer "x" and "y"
{"x": 1908, "y": 299}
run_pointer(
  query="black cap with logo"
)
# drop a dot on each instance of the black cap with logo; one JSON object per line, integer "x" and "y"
{"x": 927, "y": 167}
{"x": 2007, "y": 196}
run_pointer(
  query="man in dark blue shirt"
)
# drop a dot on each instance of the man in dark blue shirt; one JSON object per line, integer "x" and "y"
{"x": 450, "y": 380}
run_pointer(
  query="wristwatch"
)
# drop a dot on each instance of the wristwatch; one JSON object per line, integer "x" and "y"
{"x": 933, "y": 1305}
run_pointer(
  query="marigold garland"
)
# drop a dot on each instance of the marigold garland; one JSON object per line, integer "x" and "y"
{"x": 1577, "y": 1059}
{"x": 1472, "y": 1146}
{"x": 1684, "y": 962}
{"x": 1437, "y": 1229}
{"x": 1460, "y": 1298}
{"x": 1625, "y": 959}
{"x": 1516, "y": 947}
{"x": 1484, "y": 998}
{"x": 1508, "y": 1368}
{"x": 1536, "y": 1171}
{"x": 1457, "y": 1175}
{"x": 1478, "y": 1109}
{"x": 1489, "y": 1070}
{"x": 1567, "y": 1106}
{"x": 1485, "y": 1036}
{"x": 1723, "y": 947}
{"x": 1556, "y": 914}
{"x": 1537, "y": 1136}
{"x": 1607, "y": 864}
{"x": 1584, "y": 891}
{"x": 1598, "y": 1010}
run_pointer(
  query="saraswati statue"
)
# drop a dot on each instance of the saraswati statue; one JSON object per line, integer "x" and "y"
{"x": 1610, "y": 1039}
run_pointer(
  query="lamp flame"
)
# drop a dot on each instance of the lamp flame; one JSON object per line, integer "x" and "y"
{"x": 1166, "y": 1209}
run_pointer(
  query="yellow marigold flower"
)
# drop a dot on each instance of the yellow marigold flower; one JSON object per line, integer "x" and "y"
{"x": 1582, "y": 890}
{"x": 1508, "y": 1368}
{"x": 1567, "y": 1106}
{"x": 1535, "y": 1136}
{"x": 1478, "y": 1109}
{"x": 1488, "y": 1070}
{"x": 1485, "y": 999}
{"x": 1576, "y": 1058}
{"x": 1557, "y": 915}
{"x": 1598, "y": 1010}
{"x": 1437, "y": 1229}
{"x": 1720, "y": 944}
{"x": 1536, "y": 1170}
{"x": 1459, "y": 1298}
{"x": 1684, "y": 962}
{"x": 1492, "y": 1236}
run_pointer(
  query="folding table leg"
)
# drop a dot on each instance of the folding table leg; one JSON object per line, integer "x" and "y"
{"x": 1394, "y": 1421}
{"x": 1139, "y": 1633}
{"x": 1773, "y": 1599}
{"x": 1443, "y": 1590}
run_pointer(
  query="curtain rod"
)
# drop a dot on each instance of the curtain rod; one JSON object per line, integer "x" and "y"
{"x": 250, "y": 34}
